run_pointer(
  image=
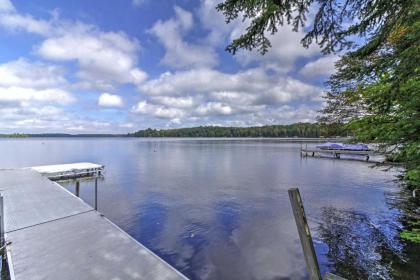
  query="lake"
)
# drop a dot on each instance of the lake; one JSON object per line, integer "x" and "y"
{"x": 219, "y": 208}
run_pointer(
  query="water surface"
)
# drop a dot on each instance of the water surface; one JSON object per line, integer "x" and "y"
{"x": 219, "y": 208}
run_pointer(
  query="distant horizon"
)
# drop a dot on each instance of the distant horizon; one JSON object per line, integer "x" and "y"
{"x": 155, "y": 128}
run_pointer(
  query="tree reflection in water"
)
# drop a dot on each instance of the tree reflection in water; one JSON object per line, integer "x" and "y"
{"x": 358, "y": 248}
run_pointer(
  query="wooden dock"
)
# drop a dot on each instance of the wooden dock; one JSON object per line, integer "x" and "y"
{"x": 52, "y": 234}
{"x": 368, "y": 156}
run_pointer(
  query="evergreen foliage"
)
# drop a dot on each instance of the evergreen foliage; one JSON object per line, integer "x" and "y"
{"x": 375, "y": 90}
{"x": 293, "y": 130}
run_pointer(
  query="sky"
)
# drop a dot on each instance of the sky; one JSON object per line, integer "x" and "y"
{"x": 120, "y": 66}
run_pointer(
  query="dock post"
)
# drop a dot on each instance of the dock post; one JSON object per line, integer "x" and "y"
{"x": 96, "y": 193}
{"x": 77, "y": 188}
{"x": 304, "y": 234}
{"x": 1, "y": 221}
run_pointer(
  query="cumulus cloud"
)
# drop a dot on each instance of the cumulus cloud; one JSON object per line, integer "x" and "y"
{"x": 285, "y": 51}
{"x": 176, "y": 102}
{"x": 214, "y": 108}
{"x": 201, "y": 94}
{"x": 23, "y": 82}
{"x": 103, "y": 57}
{"x": 25, "y": 95}
{"x": 12, "y": 20}
{"x": 253, "y": 85}
{"x": 178, "y": 52}
{"x": 323, "y": 66}
{"x": 143, "y": 107}
{"x": 23, "y": 73}
{"x": 215, "y": 23}
{"x": 110, "y": 100}
{"x": 252, "y": 95}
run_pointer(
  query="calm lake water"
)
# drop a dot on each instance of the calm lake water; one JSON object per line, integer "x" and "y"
{"x": 219, "y": 209}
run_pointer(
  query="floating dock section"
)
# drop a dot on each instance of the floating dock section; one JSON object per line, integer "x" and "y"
{"x": 52, "y": 234}
{"x": 69, "y": 171}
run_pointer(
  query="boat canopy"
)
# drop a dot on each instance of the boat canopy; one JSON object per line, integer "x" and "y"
{"x": 341, "y": 146}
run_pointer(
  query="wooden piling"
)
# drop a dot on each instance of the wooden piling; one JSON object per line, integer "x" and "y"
{"x": 304, "y": 234}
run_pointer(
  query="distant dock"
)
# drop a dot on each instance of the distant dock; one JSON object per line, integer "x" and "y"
{"x": 49, "y": 233}
{"x": 368, "y": 156}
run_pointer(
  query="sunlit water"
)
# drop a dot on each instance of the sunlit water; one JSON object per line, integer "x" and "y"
{"x": 219, "y": 209}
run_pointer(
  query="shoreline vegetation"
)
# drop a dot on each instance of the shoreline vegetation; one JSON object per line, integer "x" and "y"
{"x": 296, "y": 130}
{"x": 299, "y": 130}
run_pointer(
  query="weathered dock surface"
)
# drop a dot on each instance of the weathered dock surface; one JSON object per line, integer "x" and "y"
{"x": 55, "y": 235}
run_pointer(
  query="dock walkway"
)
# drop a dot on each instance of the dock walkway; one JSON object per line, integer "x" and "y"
{"x": 55, "y": 235}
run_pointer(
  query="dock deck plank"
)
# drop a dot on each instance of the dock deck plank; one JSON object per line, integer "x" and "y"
{"x": 31, "y": 199}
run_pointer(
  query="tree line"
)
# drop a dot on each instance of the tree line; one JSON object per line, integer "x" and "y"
{"x": 310, "y": 130}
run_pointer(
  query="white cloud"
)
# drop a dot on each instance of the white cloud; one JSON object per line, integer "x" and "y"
{"x": 253, "y": 85}
{"x": 323, "y": 66}
{"x": 285, "y": 51}
{"x": 143, "y": 107}
{"x": 215, "y": 22}
{"x": 110, "y": 100}
{"x": 25, "y": 95}
{"x": 177, "y": 102}
{"x": 23, "y": 73}
{"x": 214, "y": 108}
{"x": 15, "y": 22}
{"x": 180, "y": 53}
{"x": 52, "y": 119}
{"x": 198, "y": 95}
{"x": 103, "y": 57}
{"x": 6, "y": 6}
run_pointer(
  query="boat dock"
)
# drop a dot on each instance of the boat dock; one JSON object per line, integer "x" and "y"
{"x": 368, "y": 156}
{"x": 50, "y": 233}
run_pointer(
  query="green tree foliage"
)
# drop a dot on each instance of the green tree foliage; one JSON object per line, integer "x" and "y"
{"x": 293, "y": 130}
{"x": 335, "y": 21}
{"x": 375, "y": 90}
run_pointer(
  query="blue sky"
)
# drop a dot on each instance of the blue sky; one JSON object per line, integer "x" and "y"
{"x": 118, "y": 66}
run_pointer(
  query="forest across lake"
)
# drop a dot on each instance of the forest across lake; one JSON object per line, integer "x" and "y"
{"x": 304, "y": 130}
